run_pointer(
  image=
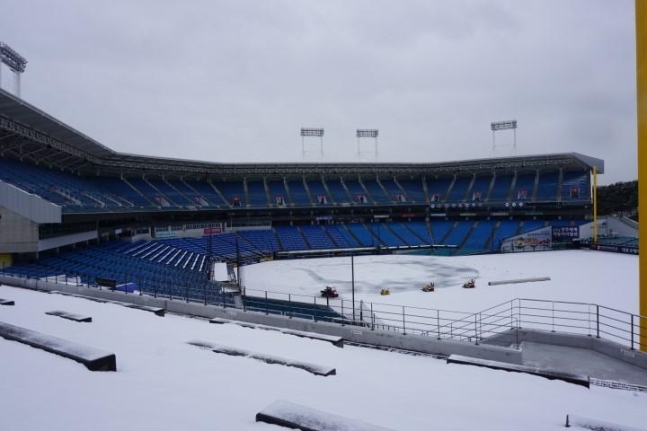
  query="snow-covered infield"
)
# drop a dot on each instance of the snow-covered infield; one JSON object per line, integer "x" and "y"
{"x": 165, "y": 384}
{"x": 318, "y": 370}
{"x": 291, "y": 415}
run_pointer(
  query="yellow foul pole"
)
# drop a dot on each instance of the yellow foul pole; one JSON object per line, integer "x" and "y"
{"x": 641, "y": 90}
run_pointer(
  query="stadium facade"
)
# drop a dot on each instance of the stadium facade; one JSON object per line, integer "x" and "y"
{"x": 60, "y": 189}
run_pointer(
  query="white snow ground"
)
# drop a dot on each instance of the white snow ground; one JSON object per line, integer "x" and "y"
{"x": 165, "y": 384}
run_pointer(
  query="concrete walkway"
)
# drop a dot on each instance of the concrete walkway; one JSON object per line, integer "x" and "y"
{"x": 581, "y": 361}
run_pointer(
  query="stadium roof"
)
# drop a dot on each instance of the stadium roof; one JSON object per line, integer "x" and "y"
{"x": 55, "y": 143}
{"x": 28, "y": 115}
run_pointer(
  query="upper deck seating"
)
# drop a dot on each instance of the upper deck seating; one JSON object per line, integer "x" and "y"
{"x": 257, "y": 195}
{"x": 298, "y": 193}
{"x": 413, "y": 190}
{"x": 459, "y": 189}
{"x": 547, "y": 187}
{"x": 501, "y": 188}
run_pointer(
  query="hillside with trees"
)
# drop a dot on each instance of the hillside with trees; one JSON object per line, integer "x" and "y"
{"x": 619, "y": 198}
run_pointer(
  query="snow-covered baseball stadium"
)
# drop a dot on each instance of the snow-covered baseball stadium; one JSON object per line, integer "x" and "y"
{"x": 238, "y": 257}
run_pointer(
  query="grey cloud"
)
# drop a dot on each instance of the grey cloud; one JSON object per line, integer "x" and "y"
{"x": 234, "y": 80}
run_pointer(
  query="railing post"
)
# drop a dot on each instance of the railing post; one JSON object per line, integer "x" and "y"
{"x": 267, "y": 310}
{"x": 438, "y": 323}
{"x": 632, "y": 332}
{"x": 476, "y": 329}
{"x": 597, "y": 321}
{"x": 552, "y": 319}
{"x": 404, "y": 328}
{"x": 372, "y": 318}
{"x": 290, "y": 302}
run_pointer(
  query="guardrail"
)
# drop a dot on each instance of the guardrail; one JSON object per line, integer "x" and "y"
{"x": 564, "y": 317}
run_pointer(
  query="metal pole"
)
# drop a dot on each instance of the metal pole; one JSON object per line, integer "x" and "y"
{"x": 595, "y": 205}
{"x": 404, "y": 329}
{"x": 352, "y": 275}
{"x": 438, "y": 322}
{"x": 597, "y": 320}
{"x": 632, "y": 332}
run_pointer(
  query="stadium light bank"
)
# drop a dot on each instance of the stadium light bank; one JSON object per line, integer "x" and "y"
{"x": 16, "y": 63}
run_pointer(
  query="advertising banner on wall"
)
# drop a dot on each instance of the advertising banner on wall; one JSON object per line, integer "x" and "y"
{"x": 565, "y": 233}
{"x": 537, "y": 240}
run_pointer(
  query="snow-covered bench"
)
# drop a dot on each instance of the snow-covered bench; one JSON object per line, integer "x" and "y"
{"x": 93, "y": 359}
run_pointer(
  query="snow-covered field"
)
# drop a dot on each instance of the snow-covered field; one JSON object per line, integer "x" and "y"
{"x": 165, "y": 384}
{"x": 576, "y": 275}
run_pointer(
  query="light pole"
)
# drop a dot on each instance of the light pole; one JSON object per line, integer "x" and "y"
{"x": 498, "y": 126}
{"x": 352, "y": 281}
{"x": 366, "y": 133}
{"x": 15, "y": 62}
{"x": 311, "y": 132}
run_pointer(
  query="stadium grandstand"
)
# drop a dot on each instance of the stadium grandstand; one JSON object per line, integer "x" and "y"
{"x": 73, "y": 208}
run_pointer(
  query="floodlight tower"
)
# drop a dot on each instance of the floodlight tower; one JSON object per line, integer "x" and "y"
{"x": 16, "y": 63}
{"x": 498, "y": 126}
{"x": 309, "y": 132}
{"x": 366, "y": 134}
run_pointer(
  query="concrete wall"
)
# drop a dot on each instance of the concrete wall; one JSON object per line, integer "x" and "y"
{"x": 351, "y": 333}
{"x": 600, "y": 345}
{"x": 60, "y": 241}
{"x": 17, "y": 233}
{"x": 28, "y": 205}
{"x": 608, "y": 226}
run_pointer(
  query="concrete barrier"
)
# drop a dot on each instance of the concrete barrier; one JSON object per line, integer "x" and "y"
{"x": 69, "y": 316}
{"x": 595, "y": 424}
{"x": 98, "y": 296}
{"x": 355, "y": 334}
{"x": 93, "y": 359}
{"x": 576, "y": 379}
{"x": 518, "y": 280}
{"x": 600, "y": 345}
{"x": 318, "y": 370}
{"x": 335, "y": 341}
{"x": 295, "y": 416}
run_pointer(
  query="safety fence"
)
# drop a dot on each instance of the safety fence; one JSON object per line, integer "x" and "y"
{"x": 564, "y": 317}
{"x": 555, "y": 316}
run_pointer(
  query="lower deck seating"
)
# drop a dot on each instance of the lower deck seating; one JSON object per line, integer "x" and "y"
{"x": 177, "y": 267}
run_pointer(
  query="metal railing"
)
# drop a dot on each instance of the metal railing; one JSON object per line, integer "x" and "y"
{"x": 563, "y": 317}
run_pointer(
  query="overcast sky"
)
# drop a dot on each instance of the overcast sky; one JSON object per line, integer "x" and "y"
{"x": 236, "y": 80}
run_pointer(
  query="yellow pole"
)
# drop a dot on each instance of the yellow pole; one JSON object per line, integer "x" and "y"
{"x": 595, "y": 204}
{"x": 641, "y": 111}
